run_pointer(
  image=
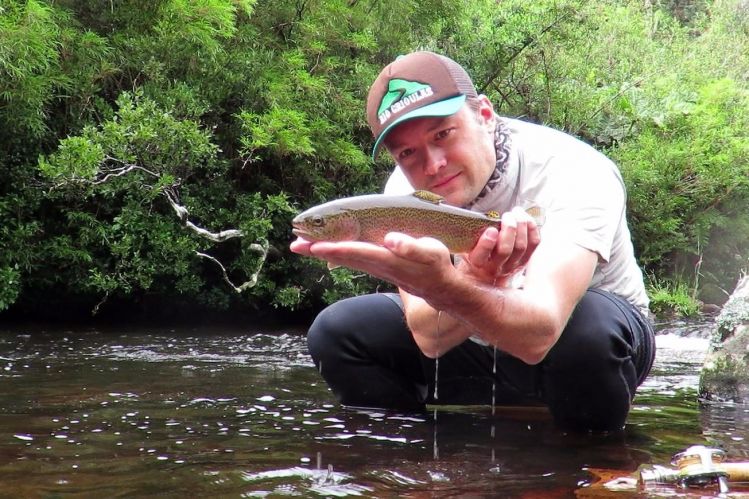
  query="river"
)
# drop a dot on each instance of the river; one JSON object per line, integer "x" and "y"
{"x": 143, "y": 412}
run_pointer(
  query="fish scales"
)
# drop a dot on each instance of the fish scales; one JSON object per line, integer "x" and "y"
{"x": 457, "y": 232}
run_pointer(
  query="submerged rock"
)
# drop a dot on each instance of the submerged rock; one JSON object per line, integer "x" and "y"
{"x": 725, "y": 373}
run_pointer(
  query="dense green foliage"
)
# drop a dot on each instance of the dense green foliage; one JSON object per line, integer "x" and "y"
{"x": 130, "y": 130}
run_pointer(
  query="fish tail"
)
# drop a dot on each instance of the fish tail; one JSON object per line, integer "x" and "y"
{"x": 538, "y": 214}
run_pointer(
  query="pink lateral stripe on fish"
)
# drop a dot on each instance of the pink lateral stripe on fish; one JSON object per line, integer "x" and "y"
{"x": 368, "y": 218}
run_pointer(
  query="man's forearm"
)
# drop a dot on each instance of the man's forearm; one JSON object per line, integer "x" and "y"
{"x": 435, "y": 332}
{"x": 524, "y": 322}
{"x": 515, "y": 321}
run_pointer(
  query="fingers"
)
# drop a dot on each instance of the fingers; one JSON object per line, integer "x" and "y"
{"x": 520, "y": 240}
{"x": 300, "y": 246}
{"x": 414, "y": 265}
{"x": 485, "y": 249}
{"x": 504, "y": 252}
{"x": 401, "y": 260}
{"x": 527, "y": 238}
{"x": 424, "y": 250}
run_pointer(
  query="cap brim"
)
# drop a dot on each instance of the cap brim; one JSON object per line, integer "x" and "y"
{"x": 444, "y": 107}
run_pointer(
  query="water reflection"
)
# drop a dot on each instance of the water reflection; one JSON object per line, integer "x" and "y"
{"x": 225, "y": 414}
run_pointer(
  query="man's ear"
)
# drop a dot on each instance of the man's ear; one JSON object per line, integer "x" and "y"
{"x": 486, "y": 113}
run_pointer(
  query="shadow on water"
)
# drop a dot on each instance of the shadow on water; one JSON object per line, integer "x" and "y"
{"x": 234, "y": 414}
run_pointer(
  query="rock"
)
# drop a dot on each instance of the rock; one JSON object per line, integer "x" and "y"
{"x": 709, "y": 308}
{"x": 725, "y": 373}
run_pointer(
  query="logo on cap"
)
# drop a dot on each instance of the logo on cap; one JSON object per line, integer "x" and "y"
{"x": 401, "y": 94}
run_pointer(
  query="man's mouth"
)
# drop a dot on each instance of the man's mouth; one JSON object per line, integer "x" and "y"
{"x": 443, "y": 182}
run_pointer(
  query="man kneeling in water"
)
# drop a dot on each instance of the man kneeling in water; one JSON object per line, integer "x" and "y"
{"x": 554, "y": 315}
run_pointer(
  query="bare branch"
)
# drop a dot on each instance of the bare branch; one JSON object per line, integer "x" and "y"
{"x": 106, "y": 173}
{"x": 216, "y": 237}
{"x": 101, "y": 302}
{"x": 182, "y": 212}
{"x": 252, "y": 281}
{"x": 123, "y": 170}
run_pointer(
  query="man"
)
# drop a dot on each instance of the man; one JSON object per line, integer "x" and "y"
{"x": 554, "y": 314}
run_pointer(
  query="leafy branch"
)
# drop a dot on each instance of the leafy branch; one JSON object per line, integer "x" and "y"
{"x": 527, "y": 42}
{"x": 112, "y": 168}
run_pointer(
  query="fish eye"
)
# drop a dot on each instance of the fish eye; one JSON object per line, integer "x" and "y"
{"x": 318, "y": 221}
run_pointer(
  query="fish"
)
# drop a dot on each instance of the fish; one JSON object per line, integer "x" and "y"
{"x": 419, "y": 214}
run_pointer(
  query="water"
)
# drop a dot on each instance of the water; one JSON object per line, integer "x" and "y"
{"x": 245, "y": 414}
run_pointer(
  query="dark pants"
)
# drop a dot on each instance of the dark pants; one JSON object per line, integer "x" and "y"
{"x": 365, "y": 352}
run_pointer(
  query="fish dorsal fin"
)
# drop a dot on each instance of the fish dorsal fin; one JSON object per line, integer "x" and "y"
{"x": 429, "y": 197}
{"x": 493, "y": 215}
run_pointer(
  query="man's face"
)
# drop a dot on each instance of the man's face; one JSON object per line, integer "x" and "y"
{"x": 451, "y": 156}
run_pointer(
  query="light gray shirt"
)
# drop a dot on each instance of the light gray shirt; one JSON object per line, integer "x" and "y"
{"x": 581, "y": 194}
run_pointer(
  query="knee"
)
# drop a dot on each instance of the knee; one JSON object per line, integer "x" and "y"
{"x": 351, "y": 325}
{"x": 328, "y": 330}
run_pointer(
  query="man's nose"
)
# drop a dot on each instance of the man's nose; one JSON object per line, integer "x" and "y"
{"x": 434, "y": 159}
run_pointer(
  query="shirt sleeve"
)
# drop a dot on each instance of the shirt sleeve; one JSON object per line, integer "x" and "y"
{"x": 398, "y": 184}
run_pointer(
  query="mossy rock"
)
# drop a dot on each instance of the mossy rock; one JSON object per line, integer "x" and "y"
{"x": 725, "y": 378}
{"x": 725, "y": 373}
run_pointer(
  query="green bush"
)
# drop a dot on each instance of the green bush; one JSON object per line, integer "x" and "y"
{"x": 688, "y": 180}
{"x": 245, "y": 112}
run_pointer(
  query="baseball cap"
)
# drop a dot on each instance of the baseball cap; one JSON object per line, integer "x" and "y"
{"x": 417, "y": 85}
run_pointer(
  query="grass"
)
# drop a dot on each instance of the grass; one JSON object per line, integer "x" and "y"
{"x": 672, "y": 298}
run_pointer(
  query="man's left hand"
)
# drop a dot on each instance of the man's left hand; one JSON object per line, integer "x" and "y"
{"x": 499, "y": 254}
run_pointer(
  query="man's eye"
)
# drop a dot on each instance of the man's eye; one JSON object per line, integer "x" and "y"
{"x": 443, "y": 133}
{"x": 405, "y": 153}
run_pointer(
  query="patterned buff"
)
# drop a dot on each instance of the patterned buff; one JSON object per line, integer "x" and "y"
{"x": 502, "y": 148}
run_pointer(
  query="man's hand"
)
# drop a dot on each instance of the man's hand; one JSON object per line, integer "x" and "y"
{"x": 414, "y": 265}
{"x": 499, "y": 254}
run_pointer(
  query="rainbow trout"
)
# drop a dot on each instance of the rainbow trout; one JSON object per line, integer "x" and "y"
{"x": 368, "y": 218}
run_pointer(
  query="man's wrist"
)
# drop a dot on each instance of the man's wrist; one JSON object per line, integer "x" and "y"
{"x": 461, "y": 296}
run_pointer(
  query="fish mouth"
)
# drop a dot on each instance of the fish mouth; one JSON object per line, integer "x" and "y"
{"x": 303, "y": 233}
